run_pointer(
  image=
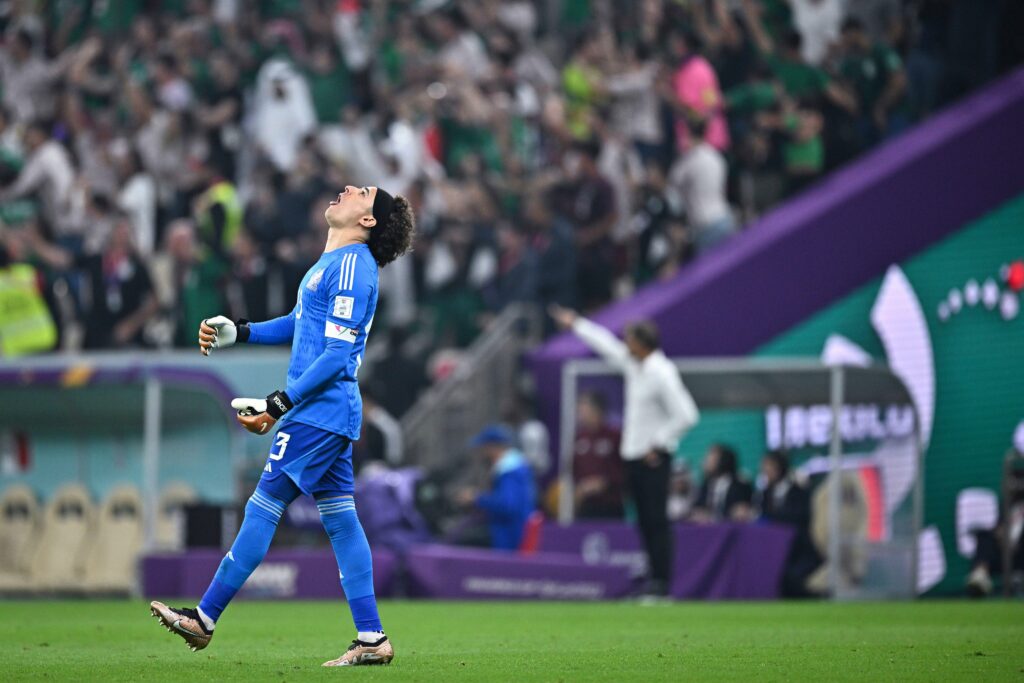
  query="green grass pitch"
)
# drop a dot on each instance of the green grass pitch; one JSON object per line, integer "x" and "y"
{"x": 438, "y": 641}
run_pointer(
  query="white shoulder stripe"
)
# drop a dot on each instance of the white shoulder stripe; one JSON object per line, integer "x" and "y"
{"x": 352, "y": 271}
{"x": 348, "y": 263}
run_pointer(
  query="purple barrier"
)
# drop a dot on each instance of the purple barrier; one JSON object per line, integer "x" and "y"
{"x": 597, "y": 543}
{"x": 453, "y": 573}
{"x": 729, "y": 561}
{"x": 299, "y": 574}
{"x": 712, "y": 562}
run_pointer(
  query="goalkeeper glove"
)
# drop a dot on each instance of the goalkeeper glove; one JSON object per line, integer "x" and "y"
{"x": 258, "y": 415}
{"x": 220, "y": 333}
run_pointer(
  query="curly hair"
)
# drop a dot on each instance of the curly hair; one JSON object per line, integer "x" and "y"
{"x": 394, "y": 238}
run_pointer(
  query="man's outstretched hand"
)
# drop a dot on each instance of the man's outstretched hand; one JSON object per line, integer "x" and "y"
{"x": 564, "y": 317}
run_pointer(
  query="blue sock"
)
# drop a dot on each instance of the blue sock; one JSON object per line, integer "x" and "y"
{"x": 355, "y": 564}
{"x": 262, "y": 514}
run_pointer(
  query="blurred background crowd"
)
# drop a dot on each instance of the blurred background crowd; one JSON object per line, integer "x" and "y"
{"x": 166, "y": 161}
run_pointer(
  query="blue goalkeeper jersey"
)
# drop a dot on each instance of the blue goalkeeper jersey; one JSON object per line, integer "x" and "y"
{"x": 327, "y": 329}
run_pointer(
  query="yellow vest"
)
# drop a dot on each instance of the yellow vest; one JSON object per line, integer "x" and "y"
{"x": 25, "y": 322}
{"x": 224, "y": 193}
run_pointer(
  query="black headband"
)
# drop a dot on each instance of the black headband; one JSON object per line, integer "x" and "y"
{"x": 383, "y": 205}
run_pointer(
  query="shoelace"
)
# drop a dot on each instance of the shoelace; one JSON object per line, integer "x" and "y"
{"x": 359, "y": 643}
{"x": 192, "y": 613}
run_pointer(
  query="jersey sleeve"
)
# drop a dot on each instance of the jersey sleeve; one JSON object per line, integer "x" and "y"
{"x": 275, "y": 331}
{"x": 349, "y": 287}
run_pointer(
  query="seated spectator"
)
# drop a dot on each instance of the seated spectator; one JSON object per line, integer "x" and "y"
{"x": 989, "y": 552}
{"x": 512, "y": 497}
{"x": 597, "y": 471}
{"x": 723, "y": 494}
{"x": 530, "y": 433}
{"x": 784, "y": 500}
{"x": 680, "y": 490}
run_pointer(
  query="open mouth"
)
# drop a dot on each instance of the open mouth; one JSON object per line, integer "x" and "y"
{"x": 337, "y": 200}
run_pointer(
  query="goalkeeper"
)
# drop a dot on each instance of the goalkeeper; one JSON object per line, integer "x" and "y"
{"x": 320, "y": 415}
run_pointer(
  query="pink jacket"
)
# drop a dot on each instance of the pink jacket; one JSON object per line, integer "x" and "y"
{"x": 696, "y": 86}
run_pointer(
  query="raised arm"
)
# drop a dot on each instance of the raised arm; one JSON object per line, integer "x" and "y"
{"x": 755, "y": 28}
{"x": 598, "y": 338}
{"x": 32, "y": 175}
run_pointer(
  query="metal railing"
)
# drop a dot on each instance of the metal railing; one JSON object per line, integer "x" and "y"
{"x": 447, "y": 415}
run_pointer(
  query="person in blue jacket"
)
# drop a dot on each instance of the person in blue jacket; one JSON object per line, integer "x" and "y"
{"x": 513, "y": 494}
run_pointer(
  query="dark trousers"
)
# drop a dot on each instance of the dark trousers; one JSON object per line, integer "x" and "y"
{"x": 989, "y": 552}
{"x": 648, "y": 486}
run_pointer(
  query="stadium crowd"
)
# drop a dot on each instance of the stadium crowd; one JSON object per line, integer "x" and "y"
{"x": 162, "y": 162}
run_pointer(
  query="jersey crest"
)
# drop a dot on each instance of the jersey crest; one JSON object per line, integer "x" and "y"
{"x": 314, "y": 281}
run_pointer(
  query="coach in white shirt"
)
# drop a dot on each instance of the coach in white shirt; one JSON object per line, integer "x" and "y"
{"x": 658, "y": 411}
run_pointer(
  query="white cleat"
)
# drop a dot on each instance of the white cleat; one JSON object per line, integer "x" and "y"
{"x": 183, "y": 622}
{"x": 365, "y": 654}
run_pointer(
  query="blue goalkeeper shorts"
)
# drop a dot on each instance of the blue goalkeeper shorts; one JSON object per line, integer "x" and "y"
{"x": 318, "y": 462}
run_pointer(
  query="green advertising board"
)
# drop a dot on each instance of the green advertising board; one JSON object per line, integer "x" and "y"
{"x": 948, "y": 321}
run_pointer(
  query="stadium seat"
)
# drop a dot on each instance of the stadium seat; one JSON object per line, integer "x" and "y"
{"x": 111, "y": 563}
{"x": 170, "y": 516}
{"x": 19, "y": 531}
{"x": 67, "y": 531}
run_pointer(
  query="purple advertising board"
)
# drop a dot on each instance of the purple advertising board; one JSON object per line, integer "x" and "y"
{"x": 583, "y": 561}
{"x": 448, "y": 572}
{"x": 597, "y": 543}
{"x": 729, "y": 561}
{"x": 712, "y": 562}
{"x": 300, "y": 574}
